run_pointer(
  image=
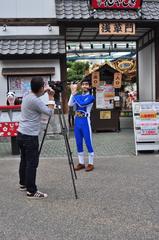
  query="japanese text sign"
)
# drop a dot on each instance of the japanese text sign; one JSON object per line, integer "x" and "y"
{"x": 117, "y": 80}
{"x": 116, "y": 28}
{"x": 116, "y": 4}
{"x": 95, "y": 79}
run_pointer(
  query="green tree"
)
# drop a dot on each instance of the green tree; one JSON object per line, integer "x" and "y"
{"x": 76, "y": 70}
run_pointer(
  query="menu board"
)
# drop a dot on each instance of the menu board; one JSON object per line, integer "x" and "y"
{"x": 146, "y": 124}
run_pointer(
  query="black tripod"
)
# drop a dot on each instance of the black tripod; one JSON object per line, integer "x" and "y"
{"x": 64, "y": 131}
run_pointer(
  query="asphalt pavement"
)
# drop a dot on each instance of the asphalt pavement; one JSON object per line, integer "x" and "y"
{"x": 119, "y": 200}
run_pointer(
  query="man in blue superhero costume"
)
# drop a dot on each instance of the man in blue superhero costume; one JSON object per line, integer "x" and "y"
{"x": 82, "y": 104}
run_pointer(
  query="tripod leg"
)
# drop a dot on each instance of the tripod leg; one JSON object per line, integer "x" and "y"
{"x": 71, "y": 159}
{"x": 64, "y": 133}
{"x": 67, "y": 141}
{"x": 45, "y": 131}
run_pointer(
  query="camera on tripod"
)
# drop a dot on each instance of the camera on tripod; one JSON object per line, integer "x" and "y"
{"x": 58, "y": 87}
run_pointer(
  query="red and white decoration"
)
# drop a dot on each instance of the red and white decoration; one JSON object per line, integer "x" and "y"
{"x": 8, "y": 129}
{"x": 9, "y": 116}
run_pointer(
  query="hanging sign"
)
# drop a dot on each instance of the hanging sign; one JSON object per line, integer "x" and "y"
{"x": 116, "y": 4}
{"x": 117, "y": 80}
{"x": 116, "y": 28}
{"x": 95, "y": 79}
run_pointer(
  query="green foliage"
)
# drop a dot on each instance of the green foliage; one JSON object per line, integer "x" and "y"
{"x": 76, "y": 70}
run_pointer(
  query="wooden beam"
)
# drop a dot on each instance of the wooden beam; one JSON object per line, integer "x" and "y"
{"x": 28, "y": 21}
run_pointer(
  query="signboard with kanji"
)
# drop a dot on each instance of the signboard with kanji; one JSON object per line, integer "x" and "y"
{"x": 116, "y": 28}
{"x": 95, "y": 79}
{"x": 117, "y": 80}
{"x": 116, "y": 4}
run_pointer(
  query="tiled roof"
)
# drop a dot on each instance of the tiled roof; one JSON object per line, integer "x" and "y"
{"x": 29, "y": 47}
{"x": 79, "y": 9}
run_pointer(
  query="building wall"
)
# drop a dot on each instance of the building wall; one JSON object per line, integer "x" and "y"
{"x": 22, "y": 64}
{"x": 146, "y": 59}
{"x": 29, "y": 31}
{"x": 27, "y": 9}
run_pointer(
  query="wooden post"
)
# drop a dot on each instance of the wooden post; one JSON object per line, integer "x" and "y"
{"x": 157, "y": 62}
{"x": 63, "y": 68}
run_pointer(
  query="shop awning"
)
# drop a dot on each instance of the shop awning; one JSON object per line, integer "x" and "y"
{"x": 27, "y": 71}
{"x": 32, "y": 47}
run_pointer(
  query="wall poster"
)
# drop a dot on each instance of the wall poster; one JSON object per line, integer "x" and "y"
{"x": 105, "y": 97}
{"x": 21, "y": 84}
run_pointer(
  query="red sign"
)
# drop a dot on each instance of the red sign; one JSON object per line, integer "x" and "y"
{"x": 116, "y": 4}
{"x": 8, "y": 129}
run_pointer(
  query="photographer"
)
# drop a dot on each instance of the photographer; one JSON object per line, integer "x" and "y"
{"x": 29, "y": 127}
{"x": 82, "y": 104}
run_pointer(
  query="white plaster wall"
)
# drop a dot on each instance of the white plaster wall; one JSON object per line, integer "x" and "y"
{"x": 29, "y": 31}
{"x": 22, "y": 64}
{"x": 27, "y": 9}
{"x": 147, "y": 73}
{"x": 3, "y": 88}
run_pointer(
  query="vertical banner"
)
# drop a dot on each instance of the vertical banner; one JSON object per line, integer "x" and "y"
{"x": 95, "y": 79}
{"x": 117, "y": 80}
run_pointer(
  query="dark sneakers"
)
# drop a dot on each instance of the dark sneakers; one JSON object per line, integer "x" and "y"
{"x": 79, "y": 167}
{"x": 22, "y": 187}
{"x": 37, "y": 195}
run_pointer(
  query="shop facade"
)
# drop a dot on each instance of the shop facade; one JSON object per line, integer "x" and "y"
{"x": 90, "y": 21}
{"x": 81, "y": 23}
{"x": 35, "y": 41}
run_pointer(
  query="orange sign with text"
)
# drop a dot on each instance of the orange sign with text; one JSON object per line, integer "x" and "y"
{"x": 95, "y": 79}
{"x": 117, "y": 80}
{"x": 148, "y": 115}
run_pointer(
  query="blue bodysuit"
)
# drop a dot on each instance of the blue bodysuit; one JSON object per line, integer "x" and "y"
{"x": 82, "y": 104}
